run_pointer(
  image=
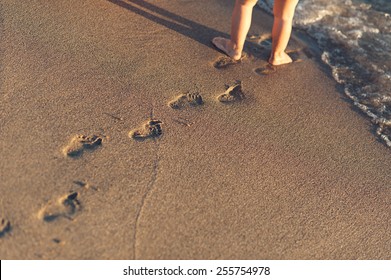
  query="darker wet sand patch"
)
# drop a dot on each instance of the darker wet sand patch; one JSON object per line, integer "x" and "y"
{"x": 298, "y": 55}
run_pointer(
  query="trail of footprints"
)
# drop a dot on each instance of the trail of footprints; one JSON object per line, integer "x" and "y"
{"x": 69, "y": 205}
{"x": 152, "y": 128}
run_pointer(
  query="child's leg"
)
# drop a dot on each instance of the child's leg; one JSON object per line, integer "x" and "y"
{"x": 240, "y": 24}
{"x": 283, "y": 16}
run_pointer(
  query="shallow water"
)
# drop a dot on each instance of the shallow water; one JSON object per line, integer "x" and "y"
{"x": 355, "y": 37}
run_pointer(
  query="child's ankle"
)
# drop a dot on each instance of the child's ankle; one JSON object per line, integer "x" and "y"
{"x": 278, "y": 55}
{"x": 235, "y": 51}
{"x": 278, "y": 58}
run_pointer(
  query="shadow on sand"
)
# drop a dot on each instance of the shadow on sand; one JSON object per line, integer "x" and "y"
{"x": 198, "y": 32}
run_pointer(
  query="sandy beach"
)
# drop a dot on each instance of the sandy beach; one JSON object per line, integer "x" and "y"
{"x": 115, "y": 142}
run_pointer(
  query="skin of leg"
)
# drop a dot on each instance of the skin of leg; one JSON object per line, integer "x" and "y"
{"x": 241, "y": 22}
{"x": 240, "y": 25}
{"x": 282, "y": 28}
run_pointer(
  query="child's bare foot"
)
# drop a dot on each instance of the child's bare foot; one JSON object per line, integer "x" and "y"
{"x": 226, "y": 46}
{"x": 279, "y": 59}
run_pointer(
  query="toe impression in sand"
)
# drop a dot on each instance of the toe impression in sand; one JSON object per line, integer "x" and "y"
{"x": 191, "y": 99}
{"x": 150, "y": 129}
{"x": 66, "y": 207}
{"x": 224, "y": 62}
{"x": 5, "y": 227}
{"x": 265, "y": 70}
{"x": 79, "y": 143}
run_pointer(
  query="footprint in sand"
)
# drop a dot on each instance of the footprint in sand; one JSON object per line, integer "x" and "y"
{"x": 224, "y": 62}
{"x": 64, "y": 207}
{"x": 5, "y": 227}
{"x": 265, "y": 70}
{"x": 264, "y": 40}
{"x": 79, "y": 143}
{"x": 85, "y": 185}
{"x": 259, "y": 46}
{"x": 150, "y": 129}
{"x": 232, "y": 94}
{"x": 266, "y": 43}
{"x": 192, "y": 99}
{"x": 296, "y": 55}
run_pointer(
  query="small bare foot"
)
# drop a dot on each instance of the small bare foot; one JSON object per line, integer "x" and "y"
{"x": 280, "y": 59}
{"x": 226, "y": 47}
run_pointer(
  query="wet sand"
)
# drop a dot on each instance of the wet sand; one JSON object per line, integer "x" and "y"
{"x": 115, "y": 144}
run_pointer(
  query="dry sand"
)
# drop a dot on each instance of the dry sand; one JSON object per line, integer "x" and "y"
{"x": 292, "y": 171}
